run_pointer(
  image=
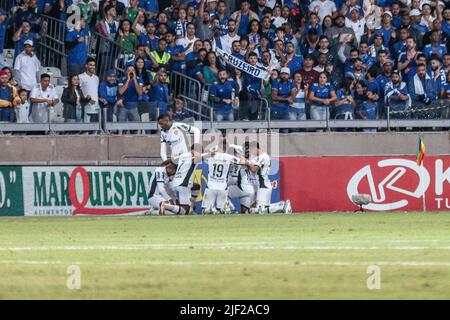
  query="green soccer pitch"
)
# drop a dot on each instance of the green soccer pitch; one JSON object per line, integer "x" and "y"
{"x": 301, "y": 256}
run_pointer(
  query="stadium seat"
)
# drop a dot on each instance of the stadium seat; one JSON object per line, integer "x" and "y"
{"x": 52, "y": 71}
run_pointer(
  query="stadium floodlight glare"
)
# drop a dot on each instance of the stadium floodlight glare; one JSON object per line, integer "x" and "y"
{"x": 361, "y": 200}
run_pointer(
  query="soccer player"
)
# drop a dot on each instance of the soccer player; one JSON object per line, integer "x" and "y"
{"x": 260, "y": 165}
{"x": 183, "y": 179}
{"x": 216, "y": 193}
{"x": 161, "y": 192}
{"x": 239, "y": 183}
{"x": 173, "y": 134}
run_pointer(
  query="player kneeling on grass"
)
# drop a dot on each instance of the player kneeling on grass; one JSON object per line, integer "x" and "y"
{"x": 183, "y": 179}
{"x": 239, "y": 184}
{"x": 260, "y": 165}
{"x": 216, "y": 193}
{"x": 162, "y": 196}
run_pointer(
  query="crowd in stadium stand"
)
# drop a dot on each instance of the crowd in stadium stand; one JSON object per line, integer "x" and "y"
{"x": 345, "y": 59}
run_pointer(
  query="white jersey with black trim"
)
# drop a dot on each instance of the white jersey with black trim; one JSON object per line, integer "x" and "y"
{"x": 239, "y": 176}
{"x": 218, "y": 170}
{"x": 175, "y": 137}
{"x": 161, "y": 185}
{"x": 263, "y": 162}
{"x": 185, "y": 169}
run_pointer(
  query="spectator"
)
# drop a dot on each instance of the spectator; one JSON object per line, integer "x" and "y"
{"x": 297, "y": 109}
{"x": 138, "y": 25}
{"x": 87, "y": 10}
{"x": 254, "y": 33}
{"x": 203, "y": 22}
{"x": 126, "y": 37}
{"x": 146, "y": 75}
{"x": 89, "y": 86}
{"x": 6, "y": 98}
{"x": 108, "y": 27}
{"x": 251, "y": 92}
{"x": 407, "y": 59}
{"x": 130, "y": 90}
{"x": 160, "y": 57}
{"x": 321, "y": 95}
{"x": 76, "y": 40}
{"x": 22, "y": 107}
{"x": 181, "y": 24}
{"x": 356, "y": 22}
{"x": 73, "y": 100}
{"x": 370, "y": 108}
{"x": 293, "y": 62}
{"x": 345, "y": 103}
{"x": 223, "y": 94}
{"x": 435, "y": 47}
{"x": 159, "y": 94}
{"x": 211, "y": 69}
{"x": 397, "y": 97}
{"x": 149, "y": 38}
{"x": 4, "y": 24}
{"x": 420, "y": 87}
{"x": 188, "y": 41}
{"x": 323, "y": 8}
{"x": 243, "y": 18}
{"x": 22, "y": 35}
{"x": 309, "y": 75}
{"x": 43, "y": 96}
{"x": 177, "y": 112}
{"x": 59, "y": 10}
{"x": 27, "y": 67}
{"x": 283, "y": 95}
{"x": 177, "y": 54}
{"x": 108, "y": 95}
{"x": 195, "y": 63}
{"x": 386, "y": 30}
{"x": 226, "y": 41}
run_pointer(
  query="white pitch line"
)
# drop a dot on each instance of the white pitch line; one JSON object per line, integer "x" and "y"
{"x": 223, "y": 263}
{"x": 215, "y": 246}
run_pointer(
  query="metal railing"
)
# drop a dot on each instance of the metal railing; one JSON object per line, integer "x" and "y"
{"x": 108, "y": 54}
{"x": 52, "y": 48}
{"x": 186, "y": 86}
{"x": 204, "y": 112}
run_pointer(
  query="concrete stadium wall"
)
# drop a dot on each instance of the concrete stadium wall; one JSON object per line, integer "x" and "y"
{"x": 73, "y": 148}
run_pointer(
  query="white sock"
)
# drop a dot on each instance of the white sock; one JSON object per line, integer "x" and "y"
{"x": 175, "y": 208}
{"x": 259, "y": 209}
{"x": 276, "y": 207}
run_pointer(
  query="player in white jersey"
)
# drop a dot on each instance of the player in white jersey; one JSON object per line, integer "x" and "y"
{"x": 216, "y": 193}
{"x": 173, "y": 134}
{"x": 260, "y": 165}
{"x": 162, "y": 196}
{"x": 183, "y": 179}
{"x": 239, "y": 183}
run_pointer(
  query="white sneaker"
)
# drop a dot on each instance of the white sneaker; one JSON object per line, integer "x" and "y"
{"x": 287, "y": 207}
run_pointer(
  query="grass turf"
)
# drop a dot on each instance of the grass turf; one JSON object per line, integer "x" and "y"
{"x": 303, "y": 256}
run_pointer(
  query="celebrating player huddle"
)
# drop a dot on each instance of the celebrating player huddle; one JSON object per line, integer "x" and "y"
{"x": 234, "y": 172}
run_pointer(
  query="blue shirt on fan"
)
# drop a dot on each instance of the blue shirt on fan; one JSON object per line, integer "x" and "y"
{"x": 323, "y": 92}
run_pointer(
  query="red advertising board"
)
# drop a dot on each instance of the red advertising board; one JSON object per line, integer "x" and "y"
{"x": 393, "y": 182}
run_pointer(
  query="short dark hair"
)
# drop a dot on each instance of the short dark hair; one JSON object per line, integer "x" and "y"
{"x": 45, "y": 75}
{"x": 163, "y": 116}
{"x": 90, "y": 59}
